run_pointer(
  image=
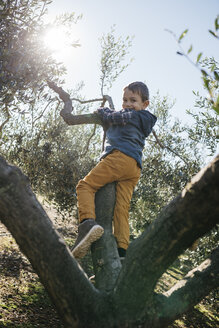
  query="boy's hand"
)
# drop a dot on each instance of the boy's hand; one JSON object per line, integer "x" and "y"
{"x": 98, "y": 110}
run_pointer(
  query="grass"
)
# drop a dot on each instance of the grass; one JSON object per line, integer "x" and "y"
{"x": 24, "y": 302}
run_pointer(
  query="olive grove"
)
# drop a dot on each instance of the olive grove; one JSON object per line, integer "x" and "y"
{"x": 175, "y": 203}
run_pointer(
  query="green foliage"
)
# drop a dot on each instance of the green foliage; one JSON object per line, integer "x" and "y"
{"x": 216, "y": 28}
{"x": 210, "y": 77}
{"x": 113, "y": 53}
{"x": 23, "y": 58}
{"x": 23, "y": 300}
{"x": 167, "y": 170}
{"x": 182, "y": 35}
{"x": 52, "y": 155}
{"x": 25, "y": 62}
{"x": 167, "y": 166}
{"x": 205, "y": 128}
{"x": 190, "y": 49}
{"x": 198, "y": 57}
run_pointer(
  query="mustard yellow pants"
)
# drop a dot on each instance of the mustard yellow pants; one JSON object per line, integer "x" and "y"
{"x": 115, "y": 167}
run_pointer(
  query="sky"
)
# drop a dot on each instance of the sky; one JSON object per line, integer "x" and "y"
{"x": 153, "y": 49}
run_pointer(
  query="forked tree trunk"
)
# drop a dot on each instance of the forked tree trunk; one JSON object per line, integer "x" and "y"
{"x": 124, "y": 295}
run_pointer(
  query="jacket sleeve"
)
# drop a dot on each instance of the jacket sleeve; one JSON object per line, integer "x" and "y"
{"x": 112, "y": 117}
{"x": 148, "y": 121}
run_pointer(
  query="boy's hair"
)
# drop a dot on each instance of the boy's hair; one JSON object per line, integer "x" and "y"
{"x": 140, "y": 88}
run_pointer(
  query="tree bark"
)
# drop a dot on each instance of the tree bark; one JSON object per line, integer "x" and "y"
{"x": 129, "y": 300}
{"x": 73, "y": 295}
{"x": 66, "y": 112}
{"x": 188, "y": 217}
{"x": 105, "y": 256}
{"x": 186, "y": 293}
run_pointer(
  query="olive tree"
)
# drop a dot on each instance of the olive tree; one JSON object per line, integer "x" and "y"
{"x": 123, "y": 295}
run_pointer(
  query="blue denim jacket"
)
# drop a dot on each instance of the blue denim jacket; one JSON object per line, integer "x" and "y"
{"x": 126, "y": 131}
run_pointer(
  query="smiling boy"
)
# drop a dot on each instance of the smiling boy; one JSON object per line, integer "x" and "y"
{"x": 121, "y": 161}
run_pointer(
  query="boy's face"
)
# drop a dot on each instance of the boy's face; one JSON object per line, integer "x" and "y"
{"x": 133, "y": 100}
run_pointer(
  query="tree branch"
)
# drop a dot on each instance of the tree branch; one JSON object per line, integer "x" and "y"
{"x": 42, "y": 113}
{"x": 86, "y": 148}
{"x": 87, "y": 101}
{"x": 166, "y": 147}
{"x": 72, "y": 293}
{"x": 66, "y": 112}
{"x": 189, "y": 291}
{"x": 186, "y": 218}
{"x": 109, "y": 100}
{"x": 130, "y": 298}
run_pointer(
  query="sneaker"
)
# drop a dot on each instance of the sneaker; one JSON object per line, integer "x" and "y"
{"x": 88, "y": 232}
{"x": 122, "y": 252}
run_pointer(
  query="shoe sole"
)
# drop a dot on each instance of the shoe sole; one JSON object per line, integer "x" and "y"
{"x": 83, "y": 247}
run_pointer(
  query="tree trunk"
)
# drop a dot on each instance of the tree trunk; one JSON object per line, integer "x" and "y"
{"x": 123, "y": 296}
{"x": 105, "y": 256}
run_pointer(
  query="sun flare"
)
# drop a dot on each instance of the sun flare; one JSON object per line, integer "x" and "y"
{"x": 56, "y": 39}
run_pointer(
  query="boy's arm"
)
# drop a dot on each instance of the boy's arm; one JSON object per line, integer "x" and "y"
{"x": 112, "y": 117}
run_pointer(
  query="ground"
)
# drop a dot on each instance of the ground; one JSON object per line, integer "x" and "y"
{"x": 24, "y": 302}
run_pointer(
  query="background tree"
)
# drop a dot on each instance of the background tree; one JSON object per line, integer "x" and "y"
{"x": 26, "y": 64}
{"x": 205, "y": 127}
{"x": 113, "y": 52}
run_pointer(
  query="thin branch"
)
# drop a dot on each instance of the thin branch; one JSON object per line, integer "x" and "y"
{"x": 182, "y": 52}
{"x": 111, "y": 105}
{"x": 109, "y": 100}
{"x": 70, "y": 119}
{"x": 41, "y": 114}
{"x": 167, "y": 147}
{"x": 87, "y": 101}
{"x": 6, "y": 121}
{"x": 66, "y": 112}
{"x": 93, "y": 118}
{"x": 64, "y": 96}
{"x": 88, "y": 142}
{"x": 102, "y": 82}
{"x": 42, "y": 10}
{"x": 205, "y": 74}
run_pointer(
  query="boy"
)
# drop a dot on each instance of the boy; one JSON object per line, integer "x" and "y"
{"x": 120, "y": 162}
